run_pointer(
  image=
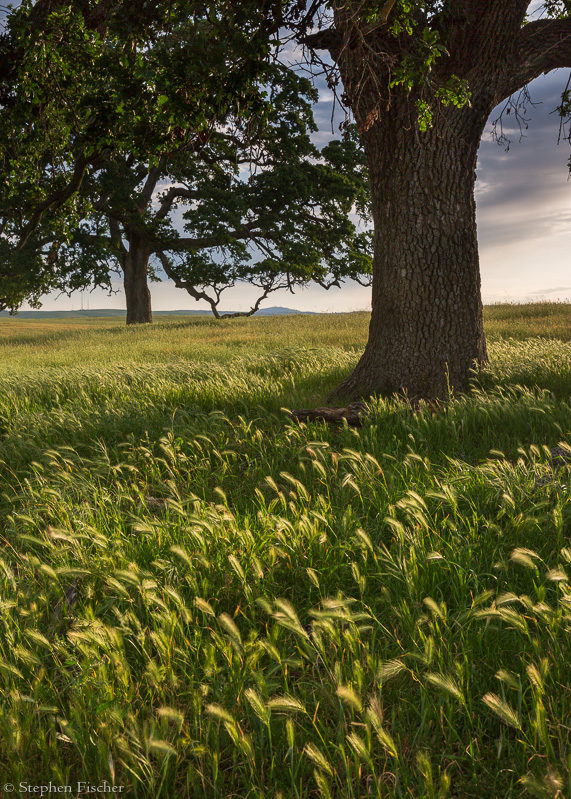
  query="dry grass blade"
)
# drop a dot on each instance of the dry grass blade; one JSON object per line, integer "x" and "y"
{"x": 501, "y": 708}
{"x": 446, "y": 684}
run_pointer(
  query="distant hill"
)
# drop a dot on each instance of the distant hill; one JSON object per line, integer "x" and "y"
{"x": 275, "y": 311}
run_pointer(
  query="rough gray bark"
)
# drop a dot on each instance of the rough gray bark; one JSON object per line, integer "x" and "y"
{"x": 426, "y": 331}
{"x": 135, "y": 280}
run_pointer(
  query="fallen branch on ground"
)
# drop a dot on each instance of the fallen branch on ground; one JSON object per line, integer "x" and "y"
{"x": 353, "y": 413}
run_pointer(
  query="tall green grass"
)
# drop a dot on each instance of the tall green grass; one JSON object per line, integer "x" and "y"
{"x": 32, "y": 344}
{"x": 201, "y": 598}
{"x": 513, "y": 320}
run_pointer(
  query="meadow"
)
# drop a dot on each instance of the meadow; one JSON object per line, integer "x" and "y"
{"x": 202, "y": 598}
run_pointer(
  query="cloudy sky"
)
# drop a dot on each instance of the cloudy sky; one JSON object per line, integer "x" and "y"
{"x": 523, "y": 201}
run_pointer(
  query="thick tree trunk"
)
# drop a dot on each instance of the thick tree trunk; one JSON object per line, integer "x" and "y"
{"x": 426, "y": 331}
{"x": 135, "y": 270}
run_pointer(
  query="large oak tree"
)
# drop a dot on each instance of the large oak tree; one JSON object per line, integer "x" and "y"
{"x": 421, "y": 79}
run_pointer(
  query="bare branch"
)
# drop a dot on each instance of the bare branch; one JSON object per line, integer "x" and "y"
{"x": 327, "y": 284}
{"x": 267, "y": 288}
{"x": 181, "y": 284}
{"x": 307, "y": 20}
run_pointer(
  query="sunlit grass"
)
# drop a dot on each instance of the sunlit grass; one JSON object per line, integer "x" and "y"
{"x": 31, "y": 344}
{"x": 545, "y": 319}
{"x": 34, "y": 343}
{"x": 200, "y": 598}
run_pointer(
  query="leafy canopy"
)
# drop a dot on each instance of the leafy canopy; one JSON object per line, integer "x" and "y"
{"x": 260, "y": 205}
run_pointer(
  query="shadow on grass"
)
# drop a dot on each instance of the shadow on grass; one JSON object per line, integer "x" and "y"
{"x": 41, "y": 339}
{"x": 502, "y": 411}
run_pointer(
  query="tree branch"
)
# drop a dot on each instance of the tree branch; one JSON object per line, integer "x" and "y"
{"x": 153, "y": 177}
{"x": 327, "y": 284}
{"x": 181, "y": 284}
{"x": 184, "y": 242}
{"x": 541, "y": 46}
{"x": 116, "y": 238}
{"x": 381, "y": 21}
{"x": 385, "y": 11}
{"x": 328, "y": 39}
{"x": 171, "y": 195}
{"x": 58, "y": 198}
{"x": 267, "y": 289}
{"x": 307, "y": 20}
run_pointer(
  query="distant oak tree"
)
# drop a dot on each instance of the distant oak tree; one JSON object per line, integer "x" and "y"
{"x": 252, "y": 203}
{"x": 82, "y": 82}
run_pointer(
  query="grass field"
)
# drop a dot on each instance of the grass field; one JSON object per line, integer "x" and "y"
{"x": 200, "y": 598}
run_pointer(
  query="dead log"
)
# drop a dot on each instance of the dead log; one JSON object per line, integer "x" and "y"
{"x": 560, "y": 457}
{"x": 354, "y": 414}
